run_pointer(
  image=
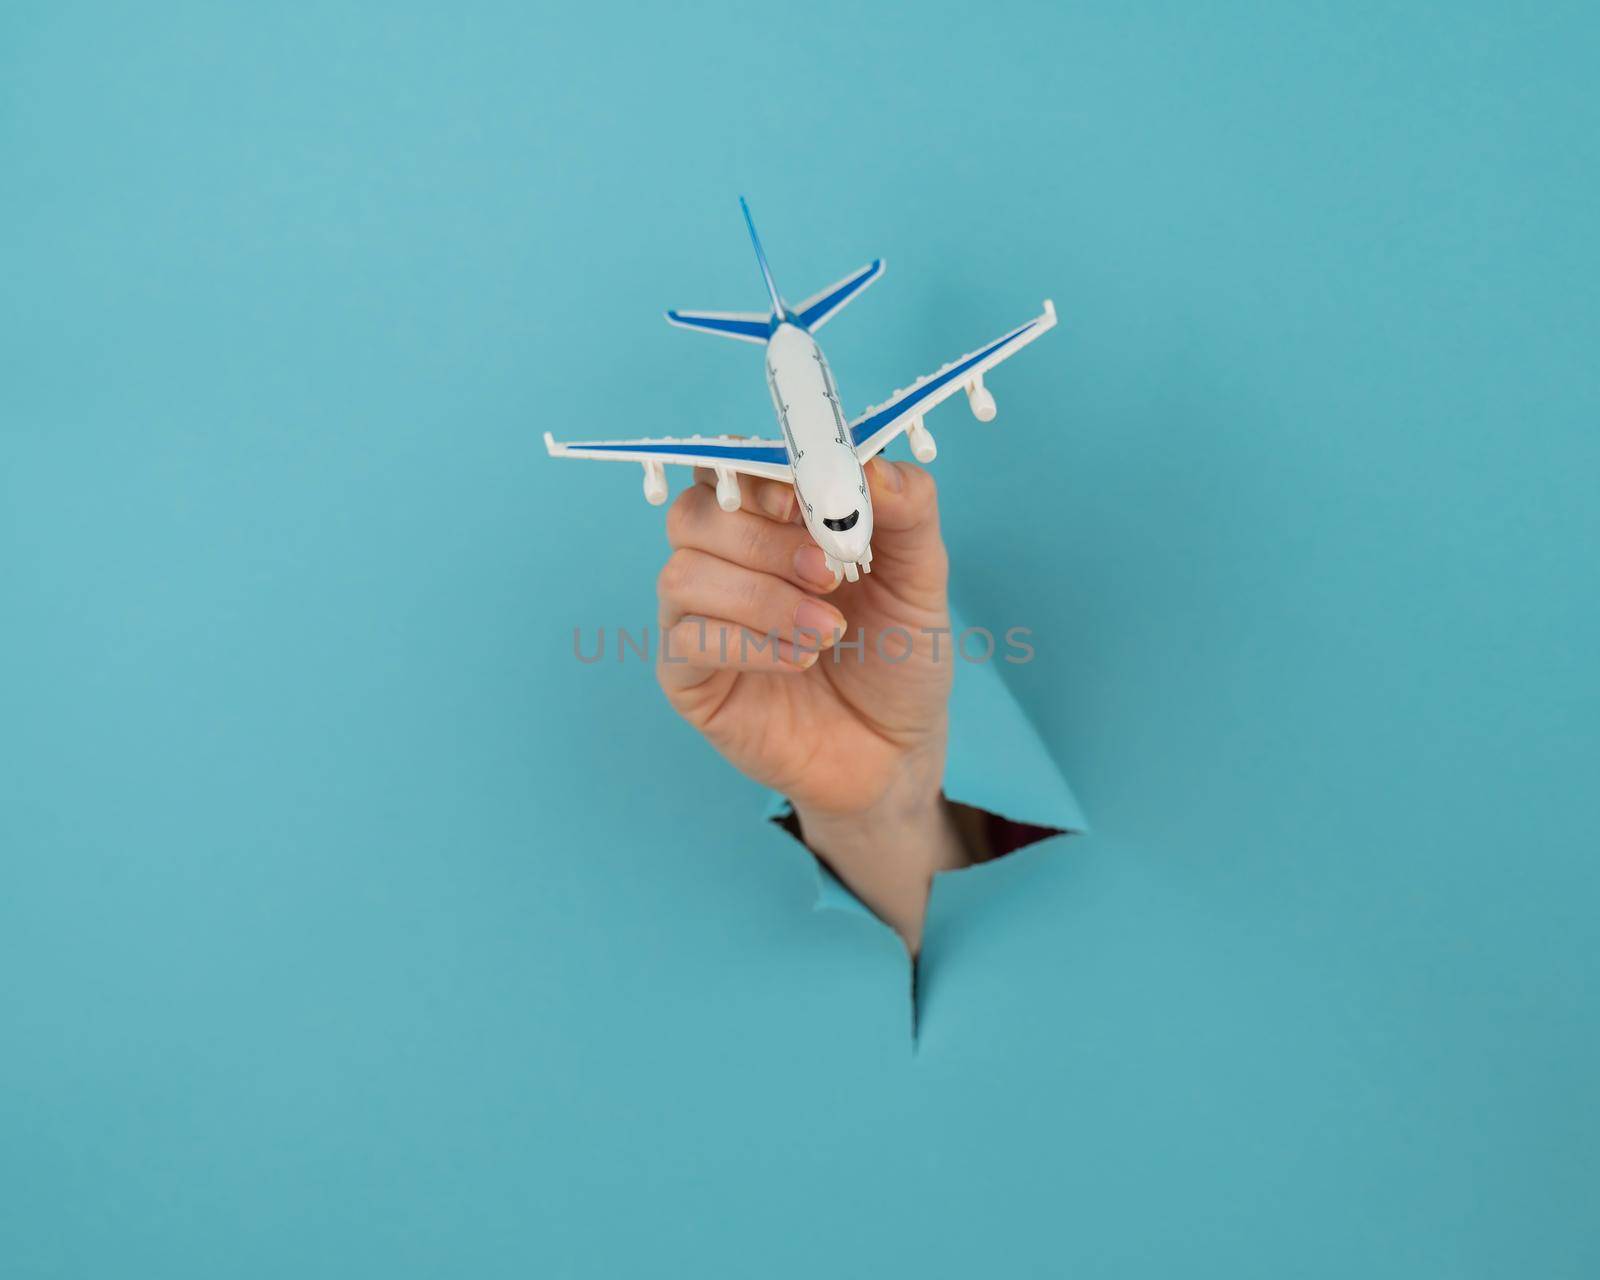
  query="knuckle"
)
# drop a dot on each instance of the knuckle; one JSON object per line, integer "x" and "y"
{"x": 754, "y": 540}
{"x": 681, "y": 515}
{"x": 674, "y": 575}
{"x": 775, "y": 602}
{"x": 922, "y": 488}
{"x": 750, "y": 591}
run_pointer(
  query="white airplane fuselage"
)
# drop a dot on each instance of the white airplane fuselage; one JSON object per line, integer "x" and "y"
{"x": 828, "y": 478}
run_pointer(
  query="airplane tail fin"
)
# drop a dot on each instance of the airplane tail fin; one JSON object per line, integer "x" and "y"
{"x": 761, "y": 257}
{"x": 811, "y": 315}
{"x": 746, "y": 326}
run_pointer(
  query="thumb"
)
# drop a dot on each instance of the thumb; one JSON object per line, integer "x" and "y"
{"x": 905, "y": 526}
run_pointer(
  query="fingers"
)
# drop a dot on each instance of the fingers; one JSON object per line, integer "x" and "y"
{"x": 696, "y": 646}
{"x": 697, "y": 583}
{"x": 739, "y": 592}
{"x": 772, "y": 498}
{"x": 905, "y": 499}
{"x": 696, "y": 522}
{"x": 905, "y": 516}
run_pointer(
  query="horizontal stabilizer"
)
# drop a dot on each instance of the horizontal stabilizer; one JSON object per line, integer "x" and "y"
{"x": 821, "y": 307}
{"x": 746, "y": 326}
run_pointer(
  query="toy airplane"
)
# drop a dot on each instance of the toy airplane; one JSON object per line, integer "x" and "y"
{"x": 820, "y": 454}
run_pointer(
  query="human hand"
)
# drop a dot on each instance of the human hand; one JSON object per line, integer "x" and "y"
{"x": 854, "y": 733}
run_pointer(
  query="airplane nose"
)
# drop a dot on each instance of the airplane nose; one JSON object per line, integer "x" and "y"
{"x": 841, "y": 547}
{"x": 863, "y": 532}
{"x": 852, "y": 545}
{"x": 846, "y": 545}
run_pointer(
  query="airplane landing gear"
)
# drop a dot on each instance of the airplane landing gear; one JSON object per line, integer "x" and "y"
{"x": 852, "y": 569}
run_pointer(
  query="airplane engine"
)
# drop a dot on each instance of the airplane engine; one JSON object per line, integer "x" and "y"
{"x": 981, "y": 401}
{"x": 923, "y": 448}
{"x": 727, "y": 489}
{"x": 655, "y": 483}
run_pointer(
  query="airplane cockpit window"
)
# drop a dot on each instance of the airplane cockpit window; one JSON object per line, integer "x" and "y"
{"x": 847, "y": 522}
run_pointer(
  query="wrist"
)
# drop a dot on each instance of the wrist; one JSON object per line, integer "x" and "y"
{"x": 889, "y": 853}
{"x": 923, "y": 834}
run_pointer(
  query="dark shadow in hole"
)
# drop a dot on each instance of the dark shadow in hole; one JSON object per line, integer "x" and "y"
{"x": 991, "y": 836}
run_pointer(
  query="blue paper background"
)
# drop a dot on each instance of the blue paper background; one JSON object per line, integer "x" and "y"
{"x": 349, "y": 927}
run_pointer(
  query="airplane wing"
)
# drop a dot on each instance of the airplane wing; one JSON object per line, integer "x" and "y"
{"x": 766, "y": 458}
{"x": 875, "y": 428}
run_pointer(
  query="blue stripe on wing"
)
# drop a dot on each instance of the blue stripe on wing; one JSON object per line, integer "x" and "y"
{"x": 867, "y": 427}
{"x": 775, "y": 454}
{"x": 817, "y": 310}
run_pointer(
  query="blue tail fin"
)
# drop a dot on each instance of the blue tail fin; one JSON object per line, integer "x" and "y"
{"x": 766, "y": 271}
